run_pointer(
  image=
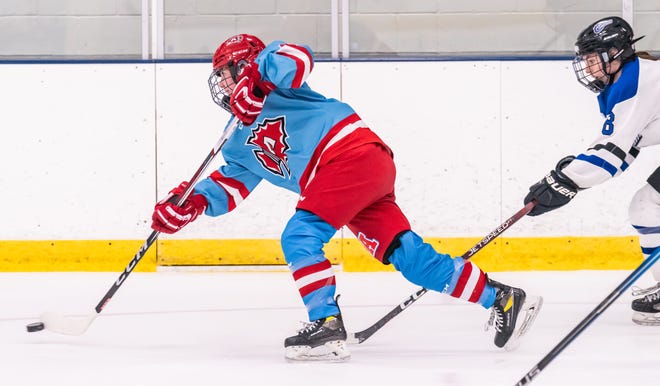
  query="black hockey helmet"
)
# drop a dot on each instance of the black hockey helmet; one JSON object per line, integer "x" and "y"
{"x": 605, "y": 34}
{"x": 611, "y": 38}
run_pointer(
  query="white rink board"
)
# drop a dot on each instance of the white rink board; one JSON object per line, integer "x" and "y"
{"x": 88, "y": 148}
{"x": 448, "y": 168}
{"x": 77, "y": 152}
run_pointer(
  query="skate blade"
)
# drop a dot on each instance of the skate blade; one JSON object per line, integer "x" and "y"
{"x": 530, "y": 310}
{"x": 646, "y": 319}
{"x": 334, "y": 351}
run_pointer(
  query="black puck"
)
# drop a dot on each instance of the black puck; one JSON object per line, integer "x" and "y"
{"x": 34, "y": 327}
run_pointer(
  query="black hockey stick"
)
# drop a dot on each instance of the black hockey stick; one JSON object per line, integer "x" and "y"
{"x": 361, "y": 336}
{"x": 536, "y": 370}
{"x": 77, "y": 325}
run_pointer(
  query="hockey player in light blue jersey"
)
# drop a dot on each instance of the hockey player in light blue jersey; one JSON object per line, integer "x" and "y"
{"x": 628, "y": 87}
{"x": 319, "y": 148}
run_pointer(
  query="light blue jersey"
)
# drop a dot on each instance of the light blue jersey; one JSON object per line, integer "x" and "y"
{"x": 280, "y": 145}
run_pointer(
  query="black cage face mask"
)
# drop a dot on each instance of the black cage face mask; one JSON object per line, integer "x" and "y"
{"x": 585, "y": 65}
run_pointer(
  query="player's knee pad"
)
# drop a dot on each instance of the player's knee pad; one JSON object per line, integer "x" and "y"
{"x": 420, "y": 263}
{"x": 304, "y": 235}
{"x": 644, "y": 215}
{"x": 644, "y": 209}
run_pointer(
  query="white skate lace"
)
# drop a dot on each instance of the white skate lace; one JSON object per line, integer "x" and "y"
{"x": 307, "y": 327}
{"x": 636, "y": 291}
{"x": 495, "y": 320}
{"x": 652, "y": 297}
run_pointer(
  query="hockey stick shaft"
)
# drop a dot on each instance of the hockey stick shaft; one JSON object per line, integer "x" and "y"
{"x": 361, "y": 336}
{"x": 618, "y": 291}
{"x": 77, "y": 326}
{"x": 154, "y": 235}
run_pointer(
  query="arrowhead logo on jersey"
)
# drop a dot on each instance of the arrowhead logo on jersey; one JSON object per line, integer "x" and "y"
{"x": 270, "y": 137}
{"x": 370, "y": 244}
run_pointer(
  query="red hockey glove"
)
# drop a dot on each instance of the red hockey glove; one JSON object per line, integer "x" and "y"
{"x": 169, "y": 218}
{"x": 247, "y": 99}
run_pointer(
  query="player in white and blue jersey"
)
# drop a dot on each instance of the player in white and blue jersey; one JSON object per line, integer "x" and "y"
{"x": 628, "y": 87}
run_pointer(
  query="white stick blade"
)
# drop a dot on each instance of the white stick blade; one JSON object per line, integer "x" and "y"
{"x": 67, "y": 325}
{"x": 352, "y": 339}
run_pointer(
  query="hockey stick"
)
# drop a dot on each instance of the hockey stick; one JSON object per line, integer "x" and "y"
{"x": 361, "y": 336}
{"x": 536, "y": 370}
{"x": 77, "y": 325}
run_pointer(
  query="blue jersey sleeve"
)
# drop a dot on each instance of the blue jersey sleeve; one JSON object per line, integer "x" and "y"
{"x": 227, "y": 187}
{"x": 285, "y": 65}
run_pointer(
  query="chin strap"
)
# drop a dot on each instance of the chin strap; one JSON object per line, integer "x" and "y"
{"x": 224, "y": 103}
{"x": 610, "y": 79}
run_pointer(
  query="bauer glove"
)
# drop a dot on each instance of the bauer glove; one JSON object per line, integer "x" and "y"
{"x": 247, "y": 99}
{"x": 553, "y": 191}
{"x": 170, "y": 218}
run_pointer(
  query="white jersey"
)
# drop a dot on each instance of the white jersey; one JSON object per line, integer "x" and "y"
{"x": 631, "y": 107}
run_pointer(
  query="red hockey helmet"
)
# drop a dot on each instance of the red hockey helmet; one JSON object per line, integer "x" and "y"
{"x": 242, "y": 47}
{"x": 232, "y": 54}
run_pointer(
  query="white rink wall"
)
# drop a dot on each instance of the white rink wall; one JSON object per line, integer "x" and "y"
{"x": 87, "y": 149}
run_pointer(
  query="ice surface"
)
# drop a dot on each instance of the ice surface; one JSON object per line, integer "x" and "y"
{"x": 228, "y": 328}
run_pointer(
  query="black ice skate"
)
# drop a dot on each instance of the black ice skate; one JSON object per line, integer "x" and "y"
{"x": 512, "y": 314}
{"x": 323, "y": 339}
{"x": 647, "y": 308}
